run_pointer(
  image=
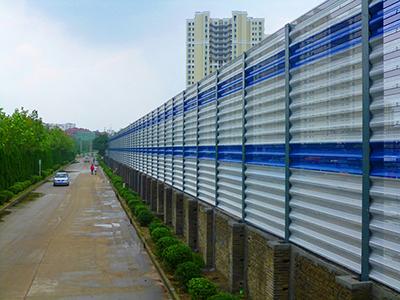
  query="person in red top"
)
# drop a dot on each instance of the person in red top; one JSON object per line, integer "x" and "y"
{"x": 91, "y": 168}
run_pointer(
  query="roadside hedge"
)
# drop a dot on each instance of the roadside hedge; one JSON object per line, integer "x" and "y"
{"x": 24, "y": 139}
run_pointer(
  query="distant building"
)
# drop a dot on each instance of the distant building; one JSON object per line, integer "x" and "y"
{"x": 64, "y": 127}
{"x": 210, "y": 43}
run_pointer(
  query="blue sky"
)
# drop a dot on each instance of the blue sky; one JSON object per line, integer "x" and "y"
{"x": 104, "y": 63}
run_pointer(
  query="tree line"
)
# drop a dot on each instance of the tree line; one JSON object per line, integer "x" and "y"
{"x": 24, "y": 140}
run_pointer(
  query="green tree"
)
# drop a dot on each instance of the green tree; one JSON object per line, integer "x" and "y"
{"x": 24, "y": 139}
{"x": 100, "y": 143}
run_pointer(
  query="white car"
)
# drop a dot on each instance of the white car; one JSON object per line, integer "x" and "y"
{"x": 61, "y": 178}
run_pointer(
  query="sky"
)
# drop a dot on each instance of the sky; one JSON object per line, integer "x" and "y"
{"x": 102, "y": 64}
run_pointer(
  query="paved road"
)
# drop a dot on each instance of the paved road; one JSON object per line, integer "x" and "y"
{"x": 74, "y": 243}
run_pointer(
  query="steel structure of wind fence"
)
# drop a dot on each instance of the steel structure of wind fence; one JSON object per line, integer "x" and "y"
{"x": 299, "y": 137}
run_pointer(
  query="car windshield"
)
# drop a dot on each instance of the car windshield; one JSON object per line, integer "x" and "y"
{"x": 59, "y": 175}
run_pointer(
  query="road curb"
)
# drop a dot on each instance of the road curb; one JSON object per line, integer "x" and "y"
{"x": 22, "y": 195}
{"x": 152, "y": 256}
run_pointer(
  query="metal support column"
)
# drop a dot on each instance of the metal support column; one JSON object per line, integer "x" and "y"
{"x": 183, "y": 143}
{"x": 172, "y": 142}
{"x": 365, "y": 214}
{"x": 216, "y": 137}
{"x": 243, "y": 136}
{"x": 287, "y": 131}
{"x": 183, "y": 140}
{"x": 197, "y": 140}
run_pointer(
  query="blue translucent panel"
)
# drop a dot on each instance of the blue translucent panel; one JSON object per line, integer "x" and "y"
{"x": 232, "y": 153}
{"x": 271, "y": 155}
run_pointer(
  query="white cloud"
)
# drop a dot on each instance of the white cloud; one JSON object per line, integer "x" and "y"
{"x": 42, "y": 67}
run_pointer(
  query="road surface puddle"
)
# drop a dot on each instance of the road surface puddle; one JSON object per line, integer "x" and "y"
{"x": 103, "y": 225}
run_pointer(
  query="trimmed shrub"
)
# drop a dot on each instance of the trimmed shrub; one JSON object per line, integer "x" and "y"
{"x": 145, "y": 217}
{"x": 20, "y": 186}
{"x": 223, "y": 296}
{"x": 5, "y": 196}
{"x": 139, "y": 208}
{"x": 198, "y": 260}
{"x": 155, "y": 224}
{"x": 35, "y": 178}
{"x": 201, "y": 288}
{"x": 133, "y": 203}
{"x": 176, "y": 254}
{"x": 160, "y": 232}
{"x": 164, "y": 242}
{"x": 186, "y": 271}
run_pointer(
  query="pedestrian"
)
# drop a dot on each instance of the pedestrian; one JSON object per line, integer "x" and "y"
{"x": 95, "y": 170}
{"x": 91, "y": 168}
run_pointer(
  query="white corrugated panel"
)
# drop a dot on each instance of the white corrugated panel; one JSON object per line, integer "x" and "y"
{"x": 178, "y": 142}
{"x": 161, "y": 144}
{"x": 140, "y": 143}
{"x": 153, "y": 139}
{"x": 265, "y": 128}
{"x": 326, "y": 132}
{"x": 168, "y": 142}
{"x": 206, "y": 133}
{"x": 190, "y": 141}
{"x": 385, "y": 148}
{"x": 230, "y": 107}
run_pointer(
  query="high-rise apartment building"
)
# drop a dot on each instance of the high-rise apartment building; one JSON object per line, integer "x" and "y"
{"x": 211, "y": 43}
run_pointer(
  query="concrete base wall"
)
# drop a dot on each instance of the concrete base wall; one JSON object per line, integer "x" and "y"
{"x": 160, "y": 198}
{"x": 153, "y": 195}
{"x": 177, "y": 212}
{"x": 229, "y": 250}
{"x": 167, "y": 205}
{"x": 205, "y": 221}
{"x": 249, "y": 259}
{"x": 190, "y": 231}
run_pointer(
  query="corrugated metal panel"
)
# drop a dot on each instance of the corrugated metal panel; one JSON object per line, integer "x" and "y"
{"x": 326, "y": 107}
{"x": 168, "y": 142}
{"x": 178, "y": 142}
{"x": 229, "y": 171}
{"x": 141, "y": 156}
{"x": 153, "y": 142}
{"x": 385, "y": 138}
{"x": 161, "y": 143}
{"x": 206, "y": 133}
{"x": 190, "y": 141}
{"x": 265, "y": 128}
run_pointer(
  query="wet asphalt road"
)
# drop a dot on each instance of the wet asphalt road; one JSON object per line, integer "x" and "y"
{"x": 74, "y": 243}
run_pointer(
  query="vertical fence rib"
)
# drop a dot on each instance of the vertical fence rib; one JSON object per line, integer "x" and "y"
{"x": 287, "y": 132}
{"x": 197, "y": 139}
{"x": 243, "y": 136}
{"x": 365, "y": 215}
{"x": 216, "y": 137}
